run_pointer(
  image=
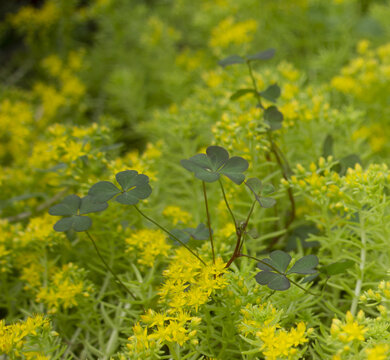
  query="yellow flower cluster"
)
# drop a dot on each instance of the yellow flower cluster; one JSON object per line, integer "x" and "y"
{"x": 188, "y": 283}
{"x": 341, "y": 193}
{"x": 378, "y": 352}
{"x": 273, "y": 341}
{"x": 64, "y": 289}
{"x": 375, "y": 134}
{"x": 367, "y": 76}
{"x": 175, "y": 327}
{"x": 382, "y": 296}
{"x": 229, "y": 32}
{"x": 14, "y": 338}
{"x": 177, "y": 215}
{"x": 149, "y": 244}
{"x": 350, "y": 330}
{"x": 144, "y": 162}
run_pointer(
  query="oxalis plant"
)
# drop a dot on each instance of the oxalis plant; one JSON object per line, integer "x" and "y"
{"x": 213, "y": 166}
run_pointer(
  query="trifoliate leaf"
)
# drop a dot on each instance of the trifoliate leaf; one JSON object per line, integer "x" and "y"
{"x": 271, "y": 93}
{"x": 209, "y": 167}
{"x": 232, "y": 60}
{"x": 103, "y": 191}
{"x": 304, "y": 265}
{"x": 68, "y": 206}
{"x": 263, "y": 265}
{"x": 262, "y": 55}
{"x": 135, "y": 186}
{"x": 63, "y": 224}
{"x": 182, "y": 235}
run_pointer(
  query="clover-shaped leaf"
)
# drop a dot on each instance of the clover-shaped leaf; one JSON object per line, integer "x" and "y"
{"x": 273, "y": 117}
{"x": 134, "y": 188}
{"x": 273, "y": 280}
{"x": 274, "y": 269}
{"x": 259, "y": 190}
{"x": 209, "y": 167}
{"x": 304, "y": 265}
{"x": 271, "y": 93}
{"x": 262, "y": 55}
{"x": 74, "y": 208}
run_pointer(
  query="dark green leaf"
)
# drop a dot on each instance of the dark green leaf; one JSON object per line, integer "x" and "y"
{"x": 75, "y": 222}
{"x": 280, "y": 260}
{"x": 89, "y": 205}
{"x": 279, "y": 283}
{"x": 337, "y": 267}
{"x": 200, "y": 233}
{"x": 327, "y": 148}
{"x": 127, "y": 198}
{"x": 241, "y": 92}
{"x": 181, "y": 235}
{"x": 262, "y": 55}
{"x": 262, "y": 265}
{"x": 267, "y": 189}
{"x": 63, "y": 224}
{"x": 271, "y": 93}
{"x": 304, "y": 265}
{"x": 103, "y": 191}
{"x": 68, "y": 206}
{"x": 264, "y": 277}
{"x": 266, "y": 202}
{"x": 309, "y": 278}
{"x": 233, "y": 169}
{"x": 126, "y": 179}
{"x": 209, "y": 167}
{"x": 349, "y": 161}
{"x": 217, "y": 156}
{"x": 231, "y": 60}
{"x": 273, "y": 117}
{"x": 254, "y": 184}
{"x": 81, "y": 223}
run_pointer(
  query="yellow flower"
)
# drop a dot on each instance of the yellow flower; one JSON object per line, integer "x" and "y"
{"x": 177, "y": 214}
{"x": 378, "y": 352}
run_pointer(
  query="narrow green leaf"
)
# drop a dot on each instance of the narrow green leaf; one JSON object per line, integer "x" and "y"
{"x": 304, "y": 265}
{"x": 232, "y": 60}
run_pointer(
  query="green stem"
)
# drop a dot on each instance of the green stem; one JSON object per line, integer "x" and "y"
{"x": 277, "y": 271}
{"x": 170, "y": 234}
{"x": 109, "y": 268}
{"x": 227, "y": 204}
{"x": 208, "y": 220}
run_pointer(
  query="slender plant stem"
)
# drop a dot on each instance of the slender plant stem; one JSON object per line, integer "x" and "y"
{"x": 278, "y": 154}
{"x": 208, "y": 220}
{"x": 109, "y": 268}
{"x": 227, "y": 203}
{"x": 169, "y": 233}
{"x": 277, "y": 271}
